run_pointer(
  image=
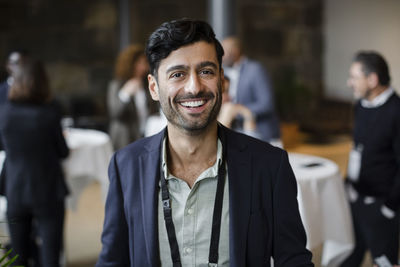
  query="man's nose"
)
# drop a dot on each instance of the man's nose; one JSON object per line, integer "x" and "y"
{"x": 194, "y": 84}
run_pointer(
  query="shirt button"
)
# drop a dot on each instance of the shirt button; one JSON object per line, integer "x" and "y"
{"x": 188, "y": 250}
{"x": 190, "y": 211}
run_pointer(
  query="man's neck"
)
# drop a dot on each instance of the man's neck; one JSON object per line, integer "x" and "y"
{"x": 376, "y": 92}
{"x": 189, "y": 155}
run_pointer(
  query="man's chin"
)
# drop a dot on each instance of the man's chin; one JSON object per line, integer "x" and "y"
{"x": 195, "y": 128}
{"x": 357, "y": 96}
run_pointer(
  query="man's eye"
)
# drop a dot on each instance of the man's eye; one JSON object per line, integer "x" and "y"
{"x": 206, "y": 72}
{"x": 177, "y": 75}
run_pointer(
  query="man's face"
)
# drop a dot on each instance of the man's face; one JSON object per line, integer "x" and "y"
{"x": 189, "y": 87}
{"x": 358, "y": 81}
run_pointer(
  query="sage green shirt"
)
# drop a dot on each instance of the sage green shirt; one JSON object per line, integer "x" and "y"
{"x": 192, "y": 212}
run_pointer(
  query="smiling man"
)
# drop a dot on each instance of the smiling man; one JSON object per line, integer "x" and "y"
{"x": 197, "y": 193}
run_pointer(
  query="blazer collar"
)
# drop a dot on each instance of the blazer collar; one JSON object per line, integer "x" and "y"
{"x": 150, "y": 163}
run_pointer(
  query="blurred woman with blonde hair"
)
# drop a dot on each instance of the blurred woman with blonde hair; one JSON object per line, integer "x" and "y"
{"x": 128, "y": 100}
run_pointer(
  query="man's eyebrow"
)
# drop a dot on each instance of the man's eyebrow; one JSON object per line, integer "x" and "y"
{"x": 207, "y": 64}
{"x": 177, "y": 67}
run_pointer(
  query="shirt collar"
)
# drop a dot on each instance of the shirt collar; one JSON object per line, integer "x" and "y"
{"x": 210, "y": 172}
{"x": 379, "y": 100}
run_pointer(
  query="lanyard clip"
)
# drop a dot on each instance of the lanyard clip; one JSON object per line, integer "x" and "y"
{"x": 166, "y": 204}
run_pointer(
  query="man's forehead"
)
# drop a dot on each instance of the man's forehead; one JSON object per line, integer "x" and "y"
{"x": 356, "y": 66}
{"x": 190, "y": 55}
{"x": 360, "y": 68}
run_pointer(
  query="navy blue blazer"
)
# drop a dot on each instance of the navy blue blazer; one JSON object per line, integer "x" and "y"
{"x": 263, "y": 210}
{"x": 255, "y": 92}
{"x": 32, "y": 138}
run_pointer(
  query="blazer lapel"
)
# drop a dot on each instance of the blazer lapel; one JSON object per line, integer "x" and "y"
{"x": 150, "y": 164}
{"x": 239, "y": 175}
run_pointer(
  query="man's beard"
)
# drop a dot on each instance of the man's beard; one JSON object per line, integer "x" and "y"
{"x": 196, "y": 123}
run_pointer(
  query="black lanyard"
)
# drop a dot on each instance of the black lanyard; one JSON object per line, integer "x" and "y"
{"x": 216, "y": 221}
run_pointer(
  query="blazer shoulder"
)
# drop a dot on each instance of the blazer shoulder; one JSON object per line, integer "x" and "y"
{"x": 139, "y": 147}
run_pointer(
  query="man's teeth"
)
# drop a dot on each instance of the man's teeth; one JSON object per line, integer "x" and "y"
{"x": 193, "y": 104}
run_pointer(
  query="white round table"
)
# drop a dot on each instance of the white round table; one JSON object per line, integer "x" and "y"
{"x": 323, "y": 207}
{"x": 90, "y": 153}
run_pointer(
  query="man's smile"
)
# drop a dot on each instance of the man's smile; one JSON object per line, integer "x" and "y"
{"x": 193, "y": 103}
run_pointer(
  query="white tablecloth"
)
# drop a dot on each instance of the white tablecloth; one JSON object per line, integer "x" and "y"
{"x": 90, "y": 153}
{"x": 323, "y": 207}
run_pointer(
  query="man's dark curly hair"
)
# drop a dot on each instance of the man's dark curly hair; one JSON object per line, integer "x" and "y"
{"x": 177, "y": 33}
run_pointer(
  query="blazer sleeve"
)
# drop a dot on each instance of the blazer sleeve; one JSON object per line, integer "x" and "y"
{"x": 289, "y": 234}
{"x": 263, "y": 103}
{"x": 115, "y": 245}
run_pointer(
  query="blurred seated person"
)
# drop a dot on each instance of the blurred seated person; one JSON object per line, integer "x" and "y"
{"x": 128, "y": 100}
{"x": 31, "y": 135}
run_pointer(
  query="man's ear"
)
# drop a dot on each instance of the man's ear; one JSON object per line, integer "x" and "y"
{"x": 373, "y": 80}
{"x": 153, "y": 87}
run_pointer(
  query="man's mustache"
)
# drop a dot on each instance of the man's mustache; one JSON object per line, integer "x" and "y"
{"x": 190, "y": 96}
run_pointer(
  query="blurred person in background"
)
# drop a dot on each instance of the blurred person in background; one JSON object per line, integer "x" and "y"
{"x": 31, "y": 135}
{"x": 14, "y": 61}
{"x": 373, "y": 176}
{"x": 128, "y": 100}
{"x": 250, "y": 86}
{"x": 13, "y": 65}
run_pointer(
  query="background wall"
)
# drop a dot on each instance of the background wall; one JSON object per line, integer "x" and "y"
{"x": 79, "y": 40}
{"x": 353, "y": 25}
